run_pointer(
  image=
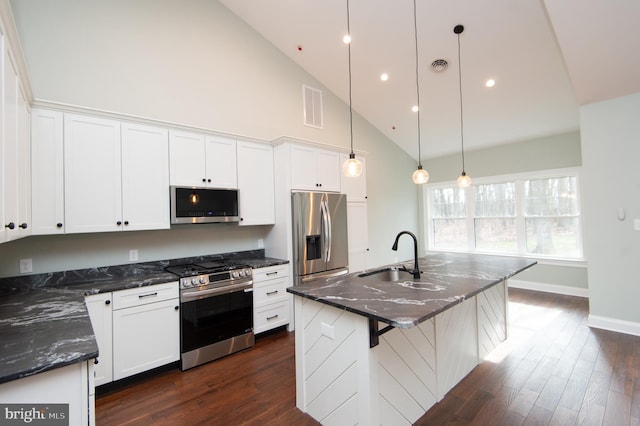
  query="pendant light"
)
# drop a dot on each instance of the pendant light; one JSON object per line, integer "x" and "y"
{"x": 352, "y": 167}
{"x": 420, "y": 176}
{"x": 463, "y": 180}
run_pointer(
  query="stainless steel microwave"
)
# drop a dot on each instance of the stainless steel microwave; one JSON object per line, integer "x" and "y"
{"x": 203, "y": 205}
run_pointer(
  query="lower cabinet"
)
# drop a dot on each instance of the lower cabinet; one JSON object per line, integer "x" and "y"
{"x": 270, "y": 298}
{"x": 71, "y": 385}
{"x": 136, "y": 329}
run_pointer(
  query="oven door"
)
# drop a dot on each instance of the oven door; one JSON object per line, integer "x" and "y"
{"x": 214, "y": 315}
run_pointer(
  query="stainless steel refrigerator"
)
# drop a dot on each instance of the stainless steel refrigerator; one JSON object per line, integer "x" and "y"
{"x": 320, "y": 247}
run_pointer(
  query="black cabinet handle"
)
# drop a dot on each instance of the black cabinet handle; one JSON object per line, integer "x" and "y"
{"x": 272, "y": 273}
{"x": 204, "y": 180}
{"x": 269, "y": 293}
{"x": 95, "y": 361}
{"x": 107, "y": 302}
{"x": 126, "y": 222}
{"x": 10, "y": 225}
{"x": 119, "y": 223}
{"x": 272, "y": 317}
{"x": 58, "y": 225}
{"x": 23, "y": 226}
{"x": 176, "y": 308}
{"x": 142, "y": 296}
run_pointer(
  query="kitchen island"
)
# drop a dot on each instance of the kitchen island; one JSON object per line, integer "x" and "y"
{"x": 437, "y": 328}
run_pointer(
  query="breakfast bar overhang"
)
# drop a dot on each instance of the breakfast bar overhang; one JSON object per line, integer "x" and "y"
{"x": 350, "y": 369}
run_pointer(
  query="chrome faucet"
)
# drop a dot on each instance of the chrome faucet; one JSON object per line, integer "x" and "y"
{"x": 416, "y": 268}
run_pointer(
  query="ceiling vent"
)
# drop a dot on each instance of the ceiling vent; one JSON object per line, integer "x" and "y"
{"x": 439, "y": 65}
{"x": 312, "y": 106}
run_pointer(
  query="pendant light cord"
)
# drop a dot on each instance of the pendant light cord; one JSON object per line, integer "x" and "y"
{"x": 460, "y": 86}
{"x": 350, "y": 108}
{"x": 415, "y": 33}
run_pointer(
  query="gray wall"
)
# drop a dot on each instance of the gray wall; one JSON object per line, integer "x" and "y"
{"x": 610, "y": 154}
{"x": 545, "y": 153}
{"x": 195, "y": 66}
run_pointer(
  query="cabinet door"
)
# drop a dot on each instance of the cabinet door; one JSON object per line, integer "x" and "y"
{"x": 145, "y": 177}
{"x": 186, "y": 154}
{"x": 24, "y": 173}
{"x": 11, "y": 159}
{"x": 354, "y": 187}
{"x": 92, "y": 174}
{"x": 328, "y": 169}
{"x": 303, "y": 168}
{"x": 255, "y": 183}
{"x": 99, "y": 307}
{"x": 47, "y": 173}
{"x": 221, "y": 162}
{"x": 358, "y": 236}
{"x": 145, "y": 337}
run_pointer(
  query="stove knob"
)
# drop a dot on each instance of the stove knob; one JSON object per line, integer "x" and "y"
{"x": 202, "y": 280}
{"x": 194, "y": 281}
{"x": 186, "y": 283}
{"x": 234, "y": 274}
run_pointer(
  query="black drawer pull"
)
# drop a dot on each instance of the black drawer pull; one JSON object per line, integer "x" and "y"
{"x": 272, "y": 273}
{"x": 272, "y": 317}
{"x": 148, "y": 295}
{"x": 269, "y": 293}
{"x": 107, "y": 302}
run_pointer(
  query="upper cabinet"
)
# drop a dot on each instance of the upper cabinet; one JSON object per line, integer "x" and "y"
{"x": 255, "y": 183}
{"x": 354, "y": 187}
{"x": 98, "y": 175}
{"x": 204, "y": 161}
{"x": 315, "y": 169}
{"x": 15, "y": 156}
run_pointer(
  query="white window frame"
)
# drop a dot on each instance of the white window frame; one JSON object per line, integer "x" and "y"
{"x": 518, "y": 179}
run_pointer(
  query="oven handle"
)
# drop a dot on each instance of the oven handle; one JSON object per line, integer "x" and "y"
{"x": 188, "y": 296}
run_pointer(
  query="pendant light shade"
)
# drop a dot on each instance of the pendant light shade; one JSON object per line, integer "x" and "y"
{"x": 463, "y": 180}
{"x": 352, "y": 167}
{"x": 420, "y": 176}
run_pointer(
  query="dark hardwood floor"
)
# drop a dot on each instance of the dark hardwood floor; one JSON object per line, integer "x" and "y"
{"x": 553, "y": 370}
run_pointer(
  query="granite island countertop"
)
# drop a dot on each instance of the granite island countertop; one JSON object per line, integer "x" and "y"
{"x": 446, "y": 280}
{"x": 44, "y": 322}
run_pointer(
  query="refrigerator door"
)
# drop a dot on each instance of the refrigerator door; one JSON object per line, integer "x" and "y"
{"x": 319, "y": 233}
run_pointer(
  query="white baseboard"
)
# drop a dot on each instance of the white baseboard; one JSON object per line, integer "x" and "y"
{"x": 549, "y": 288}
{"x": 611, "y": 324}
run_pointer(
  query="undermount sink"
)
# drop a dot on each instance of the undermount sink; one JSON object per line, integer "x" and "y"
{"x": 387, "y": 274}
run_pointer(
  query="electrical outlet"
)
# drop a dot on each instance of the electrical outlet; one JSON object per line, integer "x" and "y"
{"x": 26, "y": 266}
{"x": 260, "y": 243}
{"x": 636, "y": 224}
{"x": 327, "y": 330}
{"x": 133, "y": 255}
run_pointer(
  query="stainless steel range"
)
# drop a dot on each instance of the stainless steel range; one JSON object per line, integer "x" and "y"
{"x": 216, "y": 319}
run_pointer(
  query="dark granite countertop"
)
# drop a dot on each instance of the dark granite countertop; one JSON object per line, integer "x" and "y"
{"x": 44, "y": 323}
{"x": 446, "y": 280}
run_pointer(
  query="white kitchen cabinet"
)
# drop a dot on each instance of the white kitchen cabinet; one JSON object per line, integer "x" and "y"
{"x": 15, "y": 161}
{"x": 202, "y": 161}
{"x": 115, "y": 175}
{"x": 145, "y": 177}
{"x": 92, "y": 174}
{"x": 354, "y": 187}
{"x": 70, "y": 385}
{"x": 101, "y": 314}
{"x": 146, "y": 328}
{"x": 315, "y": 169}
{"x": 357, "y": 234}
{"x": 255, "y": 183}
{"x": 270, "y": 299}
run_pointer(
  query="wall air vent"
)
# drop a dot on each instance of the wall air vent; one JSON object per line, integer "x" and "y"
{"x": 312, "y": 106}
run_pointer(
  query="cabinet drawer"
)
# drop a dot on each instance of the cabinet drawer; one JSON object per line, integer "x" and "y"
{"x": 271, "y": 291}
{"x": 143, "y": 295}
{"x": 271, "y": 316}
{"x": 271, "y": 272}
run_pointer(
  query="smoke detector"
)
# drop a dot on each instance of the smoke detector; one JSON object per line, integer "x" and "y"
{"x": 439, "y": 65}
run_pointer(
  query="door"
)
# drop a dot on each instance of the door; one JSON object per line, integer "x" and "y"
{"x": 338, "y": 251}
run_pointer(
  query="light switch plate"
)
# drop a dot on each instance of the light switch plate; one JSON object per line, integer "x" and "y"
{"x": 133, "y": 255}
{"x": 636, "y": 224}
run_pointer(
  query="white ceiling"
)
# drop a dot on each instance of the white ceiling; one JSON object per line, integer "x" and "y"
{"x": 527, "y": 46}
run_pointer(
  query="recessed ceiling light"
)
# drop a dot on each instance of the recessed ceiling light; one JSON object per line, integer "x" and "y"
{"x": 414, "y": 108}
{"x": 490, "y": 83}
{"x": 346, "y": 39}
{"x": 384, "y": 76}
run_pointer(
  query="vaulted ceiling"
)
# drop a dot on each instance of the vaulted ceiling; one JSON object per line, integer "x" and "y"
{"x": 547, "y": 57}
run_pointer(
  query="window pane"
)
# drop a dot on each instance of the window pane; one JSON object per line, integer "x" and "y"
{"x": 450, "y": 233}
{"x": 551, "y": 197}
{"x": 495, "y": 200}
{"x": 498, "y": 235}
{"x": 448, "y": 203}
{"x": 554, "y": 236}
